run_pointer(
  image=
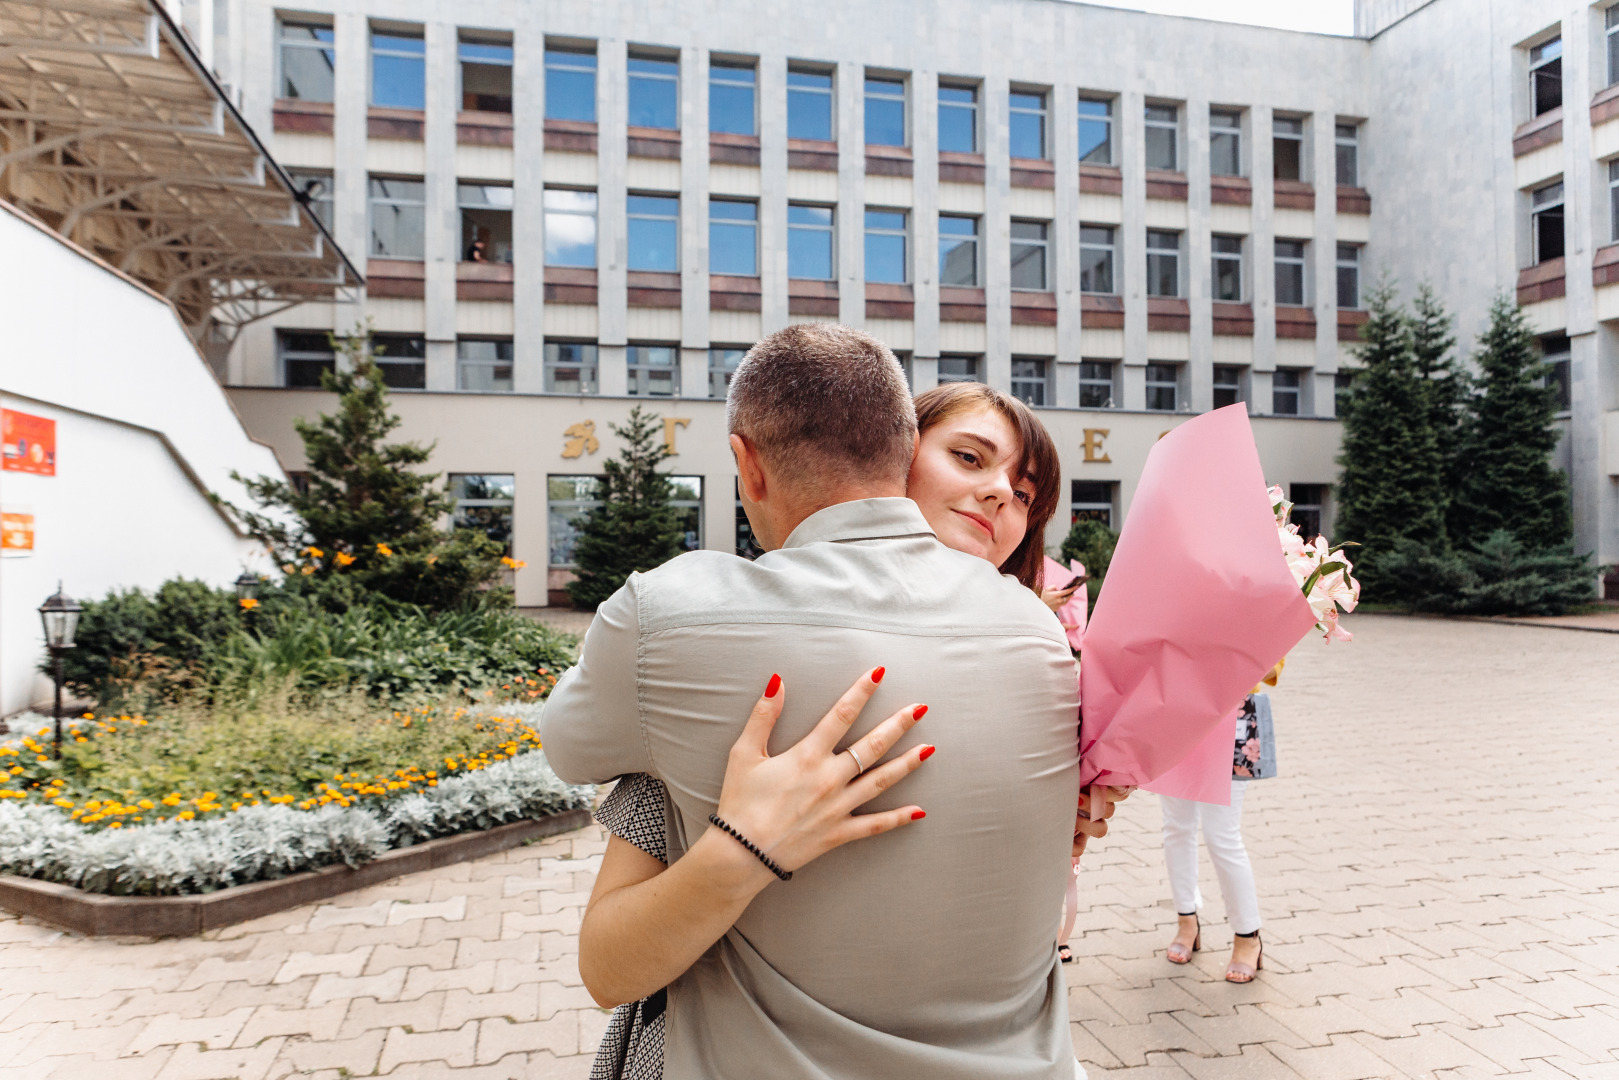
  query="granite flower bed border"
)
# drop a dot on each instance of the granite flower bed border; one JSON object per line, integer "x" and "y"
{"x": 101, "y": 915}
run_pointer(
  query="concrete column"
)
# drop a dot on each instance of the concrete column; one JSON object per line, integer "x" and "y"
{"x": 925, "y": 229}
{"x": 1263, "y": 248}
{"x": 253, "y": 30}
{"x": 443, "y": 232}
{"x": 719, "y": 511}
{"x": 773, "y": 195}
{"x": 851, "y": 215}
{"x": 694, "y": 199}
{"x": 612, "y": 119}
{"x": 531, "y": 533}
{"x": 528, "y": 200}
{"x": 1592, "y": 489}
{"x": 995, "y": 235}
{"x": 612, "y": 375}
{"x": 1065, "y": 241}
{"x": 1199, "y": 252}
{"x": 1131, "y": 270}
{"x": 693, "y": 373}
{"x": 1324, "y": 263}
{"x": 352, "y": 94}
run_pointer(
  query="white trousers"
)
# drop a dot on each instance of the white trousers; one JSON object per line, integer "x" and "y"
{"x": 1222, "y": 831}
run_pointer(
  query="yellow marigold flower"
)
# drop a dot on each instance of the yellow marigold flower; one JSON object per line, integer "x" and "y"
{"x": 289, "y": 567}
{"x": 314, "y": 553}
{"x": 384, "y": 550}
{"x": 145, "y": 804}
{"x": 235, "y": 806}
{"x": 431, "y": 559}
{"x": 185, "y": 815}
{"x": 248, "y": 603}
{"x": 116, "y": 825}
{"x": 308, "y": 570}
{"x": 344, "y": 558}
{"x": 80, "y": 738}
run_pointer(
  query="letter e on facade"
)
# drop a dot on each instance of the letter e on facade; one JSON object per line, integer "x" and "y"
{"x": 1095, "y": 452}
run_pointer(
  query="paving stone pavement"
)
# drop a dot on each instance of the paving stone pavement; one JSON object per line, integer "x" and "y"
{"x": 1438, "y": 867}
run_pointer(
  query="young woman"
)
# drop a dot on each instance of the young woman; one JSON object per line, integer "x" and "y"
{"x": 987, "y": 479}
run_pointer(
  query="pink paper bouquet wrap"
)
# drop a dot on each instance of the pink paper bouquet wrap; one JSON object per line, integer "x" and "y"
{"x": 1071, "y": 614}
{"x": 1198, "y": 605}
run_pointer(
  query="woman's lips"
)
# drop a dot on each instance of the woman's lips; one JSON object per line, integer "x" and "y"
{"x": 981, "y": 522}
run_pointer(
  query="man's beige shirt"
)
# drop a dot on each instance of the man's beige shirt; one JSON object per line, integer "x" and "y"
{"x": 928, "y": 952}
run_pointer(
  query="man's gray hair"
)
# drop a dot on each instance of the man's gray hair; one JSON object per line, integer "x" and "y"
{"x": 822, "y": 402}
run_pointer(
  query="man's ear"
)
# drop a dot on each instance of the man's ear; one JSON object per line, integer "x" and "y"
{"x": 750, "y": 473}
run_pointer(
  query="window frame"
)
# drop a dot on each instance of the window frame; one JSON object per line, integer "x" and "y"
{"x": 637, "y": 372}
{"x": 506, "y": 503}
{"x": 1280, "y": 134}
{"x": 1352, "y": 265}
{"x": 574, "y": 507}
{"x": 1217, "y": 257}
{"x": 973, "y": 362}
{"x": 1232, "y": 131}
{"x": 1160, "y": 253}
{"x": 1301, "y": 261}
{"x": 1281, "y": 388}
{"x": 1093, "y": 380}
{"x": 1610, "y": 32}
{"x": 476, "y": 39}
{"x": 1174, "y": 383}
{"x": 976, "y": 239}
{"x": 462, "y": 206}
{"x": 1043, "y": 244}
{"x": 973, "y": 108}
{"x": 1172, "y": 125}
{"x": 904, "y": 99}
{"x": 720, "y": 370}
{"x": 1304, "y": 510}
{"x": 547, "y": 212}
{"x": 828, "y": 93}
{"x": 733, "y": 64}
{"x": 1613, "y": 189}
{"x": 1111, "y": 248}
{"x": 1091, "y": 507}
{"x": 630, "y": 217}
{"x": 1557, "y": 356}
{"x": 1234, "y": 381}
{"x": 463, "y": 363}
{"x": 719, "y": 227}
{"x": 1040, "y": 382}
{"x": 1537, "y": 211}
{"x": 1536, "y": 67}
{"x": 829, "y": 230}
{"x": 308, "y": 22}
{"x": 372, "y": 202}
{"x": 321, "y": 204}
{"x": 1106, "y": 120}
{"x": 1351, "y": 143}
{"x": 589, "y": 367}
{"x": 1042, "y": 118}
{"x": 903, "y": 233}
{"x": 393, "y": 53}
{"x": 632, "y": 77}
{"x": 395, "y": 362}
{"x": 327, "y": 357}
{"x": 560, "y": 49}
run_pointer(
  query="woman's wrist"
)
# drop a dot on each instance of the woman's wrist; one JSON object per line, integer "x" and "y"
{"x": 728, "y": 867}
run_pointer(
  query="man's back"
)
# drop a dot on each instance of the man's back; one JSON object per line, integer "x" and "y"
{"x": 926, "y": 952}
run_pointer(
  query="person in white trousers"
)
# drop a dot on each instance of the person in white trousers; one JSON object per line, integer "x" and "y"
{"x": 1222, "y": 831}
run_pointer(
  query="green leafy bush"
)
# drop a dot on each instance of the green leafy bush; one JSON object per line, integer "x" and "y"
{"x": 1499, "y": 576}
{"x": 1091, "y": 543}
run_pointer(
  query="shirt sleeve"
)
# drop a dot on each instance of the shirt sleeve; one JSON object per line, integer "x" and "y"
{"x": 591, "y": 728}
{"x": 634, "y": 811}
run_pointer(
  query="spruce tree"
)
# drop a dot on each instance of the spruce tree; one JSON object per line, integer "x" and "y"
{"x": 1506, "y": 479}
{"x": 1448, "y": 384}
{"x": 1391, "y": 487}
{"x": 634, "y": 529}
{"x": 368, "y": 524}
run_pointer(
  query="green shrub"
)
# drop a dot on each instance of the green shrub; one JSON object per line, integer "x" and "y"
{"x": 1499, "y": 576}
{"x": 1091, "y": 543}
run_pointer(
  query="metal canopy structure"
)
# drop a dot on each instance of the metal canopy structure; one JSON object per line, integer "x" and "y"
{"x": 113, "y": 133}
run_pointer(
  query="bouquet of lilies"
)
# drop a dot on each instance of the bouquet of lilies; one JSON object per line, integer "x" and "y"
{"x": 1322, "y": 570}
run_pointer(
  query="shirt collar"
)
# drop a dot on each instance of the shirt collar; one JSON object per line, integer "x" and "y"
{"x": 861, "y": 519}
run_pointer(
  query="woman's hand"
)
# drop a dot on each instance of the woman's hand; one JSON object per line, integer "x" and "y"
{"x": 800, "y": 804}
{"x": 1087, "y": 826}
{"x": 1056, "y": 598}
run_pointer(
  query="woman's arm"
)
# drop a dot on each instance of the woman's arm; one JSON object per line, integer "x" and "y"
{"x": 646, "y": 924}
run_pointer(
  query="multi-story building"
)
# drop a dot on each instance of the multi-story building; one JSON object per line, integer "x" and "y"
{"x": 574, "y": 208}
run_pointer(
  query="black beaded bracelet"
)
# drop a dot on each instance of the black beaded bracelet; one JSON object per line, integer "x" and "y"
{"x": 785, "y": 875}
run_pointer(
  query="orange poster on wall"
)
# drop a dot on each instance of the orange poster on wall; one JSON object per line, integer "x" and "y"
{"x": 29, "y": 443}
{"x": 16, "y": 532}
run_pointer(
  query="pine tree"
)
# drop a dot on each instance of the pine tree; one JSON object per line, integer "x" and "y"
{"x": 1391, "y": 484}
{"x": 1506, "y": 478}
{"x": 1448, "y": 384}
{"x": 634, "y": 529}
{"x": 368, "y": 523}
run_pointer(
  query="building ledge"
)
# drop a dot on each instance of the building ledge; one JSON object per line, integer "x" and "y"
{"x": 578, "y": 136}
{"x": 1033, "y": 173}
{"x": 817, "y": 154}
{"x": 1350, "y": 322}
{"x": 727, "y": 149}
{"x": 1166, "y": 185}
{"x": 384, "y": 123}
{"x": 1101, "y": 180}
{"x": 1231, "y": 191}
{"x": 888, "y": 160}
{"x": 1169, "y": 313}
{"x": 1544, "y": 281}
{"x": 648, "y": 142}
{"x": 1294, "y": 194}
{"x": 1543, "y": 130}
{"x": 484, "y": 281}
{"x": 403, "y": 279}
{"x": 313, "y": 117}
{"x": 1101, "y": 312}
{"x": 1354, "y": 200}
{"x": 809, "y": 297}
{"x": 961, "y": 305}
{"x": 732, "y": 292}
{"x": 1605, "y": 265}
{"x": 570, "y": 285}
{"x": 652, "y": 289}
{"x": 483, "y": 128}
{"x": 1031, "y": 308}
{"x": 959, "y": 168}
{"x": 1605, "y": 104}
{"x": 1295, "y": 323}
{"x": 1233, "y": 320}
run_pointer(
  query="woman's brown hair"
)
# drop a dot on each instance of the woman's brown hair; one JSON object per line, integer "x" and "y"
{"x": 1038, "y": 462}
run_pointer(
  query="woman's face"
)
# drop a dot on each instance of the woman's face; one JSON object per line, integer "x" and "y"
{"x": 965, "y": 481}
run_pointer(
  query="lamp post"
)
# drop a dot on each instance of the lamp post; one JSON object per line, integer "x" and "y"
{"x": 247, "y": 593}
{"x": 60, "y": 615}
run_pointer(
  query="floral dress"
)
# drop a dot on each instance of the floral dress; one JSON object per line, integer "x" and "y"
{"x": 632, "y": 1049}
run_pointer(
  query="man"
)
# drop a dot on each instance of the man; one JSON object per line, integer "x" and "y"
{"x": 927, "y": 952}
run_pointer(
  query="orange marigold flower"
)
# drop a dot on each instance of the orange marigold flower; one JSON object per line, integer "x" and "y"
{"x": 384, "y": 550}
{"x": 314, "y": 552}
{"x": 248, "y": 603}
{"x": 344, "y": 558}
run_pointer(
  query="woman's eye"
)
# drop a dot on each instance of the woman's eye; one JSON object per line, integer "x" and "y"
{"x": 967, "y": 456}
{"x": 1025, "y": 498}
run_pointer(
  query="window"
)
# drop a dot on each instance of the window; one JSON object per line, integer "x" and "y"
{"x": 958, "y": 369}
{"x": 568, "y": 500}
{"x": 1546, "y": 76}
{"x": 885, "y": 111}
{"x": 1163, "y": 137}
{"x": 570, "y": 367}
{"x": 958, "y": 119}
{"x": 809, "y": 242}
{"x": 1612, "y": 17}
{"x": 654, "y": 370}
{"x": 730, "y": 98}
{"x": 1343, "y": 386}
{"x": 958, "y": 250}
{"x": 1029, "y": 380}
{"x": 1288, "y": 147}
{"x": 746, "y": 545}
{"x": 1092, "y": 500}
{"x": 1163, "y": 263}
{"x": 1349, "y": 277}
{"x": 686, "y": 499}
{"x": 1307, "y": 501}
{"x": 1290, "y": 272}
{"x": 1348, "y": 148}
{"x": 483, "y": 503}
{"x": 809, "y": 104}
{"x": 1029, "y": 255}
{"x": 1096, "y": 248}
{"x": 1096, "y": 384}
{"x": 317, "y": 190}
{"x": 1284, "y": 392}
{"x": 1028, "y": 124}
{"x": 885, "y": 246}
{"x": 654, "y": 232}
{"x": 654, "y": 92}
{"x": 722, "y": 364}
{"x": 486, "y": 75}
{"x": 1546, "y": 213}
{"x": 570, "y": 84}
{"x": 1555, "y": 351}
{"x": 483, "y": 366}
{"x": 1096, "y": 131}
{"x": 1613, "y": 191}
{"x": 1228, "y": 269}
{"x": 486, "y": 222}
{"x": 403, "y": 359}
{"x": 1227, "y": 386}
{"x": 1225, "y": 142}
{"x": 308, "y": 61}
{"x": 305, "y": 355}
{"x": 733, "y": 237}
{"x": 1163, "y": 380}
{"x": 398, "y": 218}
{"x": 398, "y": 69}
{"x": 904, "y": 357}
{"x": 570, "y": 227}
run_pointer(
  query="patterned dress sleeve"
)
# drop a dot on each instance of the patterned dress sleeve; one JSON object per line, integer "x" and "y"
{"x": 633, "y": 811}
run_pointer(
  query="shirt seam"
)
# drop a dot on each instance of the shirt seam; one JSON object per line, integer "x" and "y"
{"x": 640, "y": 670}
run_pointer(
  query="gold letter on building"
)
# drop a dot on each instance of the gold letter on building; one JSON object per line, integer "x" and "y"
{"x": 580, "y": 439}
{"x": 670, "y": 423}
{"x": 1094, "y": 453}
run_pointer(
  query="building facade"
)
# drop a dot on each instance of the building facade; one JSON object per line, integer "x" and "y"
{"x": 573, "y": 208}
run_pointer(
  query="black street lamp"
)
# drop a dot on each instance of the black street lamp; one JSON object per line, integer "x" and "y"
{"x": 60, "y": 614}
{"x": 247, "y": 588}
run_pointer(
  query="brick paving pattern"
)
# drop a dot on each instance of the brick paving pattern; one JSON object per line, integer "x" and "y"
{"x": 1438, "y": 866}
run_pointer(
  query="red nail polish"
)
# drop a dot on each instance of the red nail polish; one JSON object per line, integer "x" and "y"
{"x": 877, "y": 676}
{"x": 918, "y": 815}
{"x": 927, "y": 752}
{"x": 921, "y": 711}
{"x": 773, "y": 687}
